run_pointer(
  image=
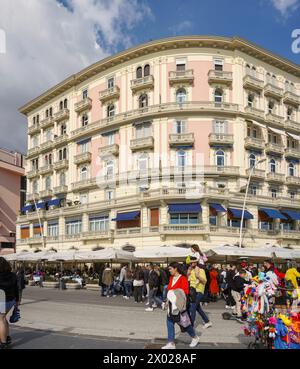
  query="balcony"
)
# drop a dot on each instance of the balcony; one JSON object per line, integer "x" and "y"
{"x": 274, "y": 148}
{"x": 46, "y": 169}
{"x": 292, "y": 153}
{"x": 62, "y": 115}
{"x": 95, "y": 235}
{"x": 84, "y": 184}
{"x": 127, "y": 232}
{"x": 142, "y": 83}
{"x": 61, "y": 140}
{"x": 61, "y": 164}
{"x": 35, "y": 241}
{"x": 253, "y": 81}
{"x": 47, "y": 122}
{"x": 181, "y": 76}
{"x": 217, "y": 139}
{"x": 291, "y": 97}
{"x": 221, "y": 170}
{"x": 256, "y": 173}
{"x": 181, "y": 139}
{"x": 294, "y": 181}
{"x": 34, "y": 129}
{"x": 109, "y": 150}
{"x": 220, "y": 76}
{"x": 254, "y": 143}
{"x": 32, "y": 197}
{"x": 83, "y": 158}
{"x": 275, "y": 177}
{"x": 273, "y": 89}
{"x": 32, "y": 173}
{"x": 275, "y": 119}
{"x": 46, "y": 146}
{"x": 84, "y": 104}
{"x": 142, "y": 143}
{"x": 46, "y": 193}
{"x": 183, "y": 229}
{"x": 32, "y": 152}
{"x": 254, "y": 112}
{"x": 109, "y": 94}
{"x": 60, "y": 190}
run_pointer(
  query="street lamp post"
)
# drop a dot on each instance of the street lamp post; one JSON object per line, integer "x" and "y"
{"x": 245, "y": 198}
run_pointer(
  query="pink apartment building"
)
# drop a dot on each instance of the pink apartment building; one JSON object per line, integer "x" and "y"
{"x": 12, "y": 195}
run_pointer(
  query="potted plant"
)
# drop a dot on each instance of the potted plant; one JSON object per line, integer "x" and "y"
{"x": 50, "y": 282}
{"x": 92, "y": 284}
{"x": 71, "y": 284}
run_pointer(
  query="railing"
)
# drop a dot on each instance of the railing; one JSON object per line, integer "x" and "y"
{"x": 193, "y": 228}
{"x": 33, "y": 151}
{"x": 34, "y": 129}
{"x": 109, "y": 150}
{"x": 181, "y": 75}
{"x": 46, "y": 193}
{"x": 111, "y": 92}
{"x": 142, "y": 143}
{"x": 62, "y": 114}
{"x": 219, "y": 76}
{"x": 292, "y": 96}
{"x": 258, "y": 173}
{"x": 253, "y": 79}
{"x": 272, "y": 147}
{"x": 254, "y": 142}
{"x": 46, "y": 169}
{"x": 293, "y": 180}
{"x": 142, "y": 82}
{"x": 229, "y": 170}
{"x": 61, "y": 139}
{"x": 46, "y": 145}
{"x": 96, "y": 235}
{"x": 291, "y": 124}
{"x": 274, "y": 118}
{"x": 127, "y": 231}
{"x": 61, "y": 164}
{"x": 217, "y": 138}
{"x": 295, "y": 153}
{"x": 32, "y": 196}
{"x": 278, "y": 177}
{"x": 83, "y": 158}
{"x": 255, "y": 111}
{"x": 32, "y": 173}
{"x": 60, "y": 189}
{"x": 47, "y": 122}
{"x": 273, "y": 87}
{"x": 84, "y": 104}
{"x": 181, "y": 138}
{"x": 84, "y": 184}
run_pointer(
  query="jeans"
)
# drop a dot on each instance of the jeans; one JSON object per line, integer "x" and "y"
{"x": 153, "y": 298}
{"x": 128, "y": 288}
{"x": 195, "y": 306}
{"x": 108, "y": 290}
{"x": 137, "y": 293}
{"x": 164, "y": 293}
{"x": 171, "y": 330}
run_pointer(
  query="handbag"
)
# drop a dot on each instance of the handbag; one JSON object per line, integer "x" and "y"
{"x": 15, "y": 316}
{"x": 193, "y": 294}
{"x": 185, "y": 320}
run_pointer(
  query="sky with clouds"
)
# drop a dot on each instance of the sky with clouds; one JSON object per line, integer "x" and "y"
{"x": 47, "y": 40}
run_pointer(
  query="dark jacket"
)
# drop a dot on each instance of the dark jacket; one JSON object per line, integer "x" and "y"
{"x": 9, "y": 284}
{"x": 153, "y": 279}
{"x": 164, "y": 280}
{"x": 146, "y": 275}
{"x": 229, "y": 278}
{"x": 238, "y": 283}
{"x": 21, "y": 281}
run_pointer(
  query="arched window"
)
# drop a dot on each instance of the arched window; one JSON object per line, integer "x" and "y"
{"x": 84, "y": 120}
{"x": 62, "y": 179}
{"x": 220, "y": 158}
{"x": 146, "y": 70}
{"x": 251, "y": 100}
{"x": 110, "y": 110}
{"x": 38, "y": 119}
{"x": 34, "y": 121}
{"x": 181, "y": 96}
{"x": 218, "y": 95}
{"x": 143, "y": 101}
{"x": 48, "y": 183}
{"x": 291, "y": 170}
{"x": 252, "y": 161}
{"x": 65, "y": 153}
{"x": 66, "y": 103}
{"x": 83, "y": 173}
{"x": 139, "y": 72}
{"x": 61, "y": 105}
{"x": 272, "y": 166}
{"x": 50, "y": 111}
{"x": 181, "y": 158}
{"x": 46, "y": 160}
{"x": 271, "y": 106}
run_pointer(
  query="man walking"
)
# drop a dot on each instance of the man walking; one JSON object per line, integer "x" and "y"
{"x": 153, "y": 289}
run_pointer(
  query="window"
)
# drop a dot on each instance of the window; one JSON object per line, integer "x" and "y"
{"x": 185, "y": 218}
{"x": 271, "y": 107}
{"x": 251, "y": 100}
{"x": 66, "y": 103}
{"x": 143, "y": 101}
{"x": 63, "y": 129}
{"x": 110, "y": 138}
{"x": 48, "y": 183}
{"x": 35, "y": 186}
{"x": 99, "y": 224}
{"x": 83, "y": 198}
{"x": 109, "y": 194}
{"x": 139, "y": 72}
{"x": 146, "y": 70}
{"x": 34, "y": 121}
{"x": 252, "y": 160}
{"x": 180, "y": 65}
{"x": 35, "y": 141}
{"x": 110, "y": 82}
{"x": 253, "y": 190}
{"x": 84, "y": 147}
{"x": 61, "y": 105}
{"x": 73, "y": 227}
{"x": 219, "y": 127}
{"x": 143, "y": 162}
{"x": 84, "y": 94}
{"x": 53, "y": 230}
{"x": 50, "y": 111}
{"x": 220, "y": 158}
{"x": 291, "y": 170}
{"x": 110, "y": 110}
{"x": 289, "y": 112}
{"x": 84, "y": 120}
{"x": 109, "y": 168}
{"x": 218, "y": 64}
{"x": 47, "y": 113}
{"x": 83, "y": 173}
{"x": 273, "y": 138}
{"x": 181, "y": 96}
{"x": 50, "y": 159}
{"x": 218, "y": 95}
{"x": 273, "y": 193}
{"x": 62, "y": 179}
{"x": 181, "y": 158}
{"x": 35, "y": 164}
{"x": 272, "y": 166}
{"x": 143, "y": 130}
{"x": 267, "y": 226}
{"x": 179, "y": 127}
{"x": 48, "y": 135}
{"x": 236, "y": 223}
{"x": 62, "y": 154}
{"x": 38, "y": 119}
{"x": 292, "y": 194}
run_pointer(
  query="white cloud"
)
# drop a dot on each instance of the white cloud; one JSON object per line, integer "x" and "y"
{"x": 46, "y": 42}
{"x": 182, "y": 27}
{"x": 285, "y": 7}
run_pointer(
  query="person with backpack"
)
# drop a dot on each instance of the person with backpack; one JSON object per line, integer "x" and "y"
{"x": 154, "y": 285}
{"x": 9, "y": 298}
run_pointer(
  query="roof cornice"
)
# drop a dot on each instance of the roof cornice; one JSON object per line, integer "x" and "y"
{"x": 178, "y": 42}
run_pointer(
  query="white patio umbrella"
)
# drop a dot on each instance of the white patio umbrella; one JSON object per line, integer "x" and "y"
{"x": 284, "y": 253}
{"x": 224, "y": 252}
{"x": 162, "y": 253}
{"x": 67, "y": 255}
{"x": 107, "y": 254}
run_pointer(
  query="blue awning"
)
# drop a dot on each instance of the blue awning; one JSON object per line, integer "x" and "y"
{"x": 127, "y": 216}
{"x": 24, "y": 226}
{"x": 237, "y": 213}
{"x": 185, "y": 208}
{"x": 54, "y": 202}
{"x": 27, "y": 208}
{"x": 41, "y": 205}
{"x": 37, "y": 225}
{"x": 273, "y": 213}
{"x": 184, "y": 147}
{"x": 218, "y": 208}
{"x": 84, "y": 141}
{"x": 294, "y": 215}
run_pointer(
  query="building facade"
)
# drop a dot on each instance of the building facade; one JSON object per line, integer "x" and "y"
{"x": 155, "y": 146}
{"x": 12, "y": 197}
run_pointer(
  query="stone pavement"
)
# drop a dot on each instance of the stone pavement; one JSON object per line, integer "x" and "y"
{"x": 86, "y": 313}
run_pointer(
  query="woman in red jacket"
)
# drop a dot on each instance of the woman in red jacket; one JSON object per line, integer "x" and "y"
{"x": 178, "y": 280}
{"x": 214, "y": 286}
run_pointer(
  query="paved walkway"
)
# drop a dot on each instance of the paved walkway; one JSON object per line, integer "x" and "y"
{"x": 86, "y": 313}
